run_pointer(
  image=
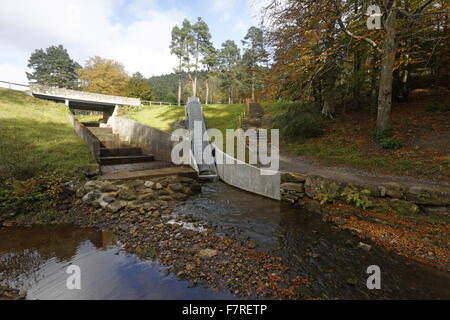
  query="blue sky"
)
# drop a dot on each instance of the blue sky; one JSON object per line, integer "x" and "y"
{"x": 134, "y": 32}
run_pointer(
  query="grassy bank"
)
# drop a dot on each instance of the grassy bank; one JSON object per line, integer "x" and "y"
{"x": 219, "y": 116}
{"x": 39, "y": 148}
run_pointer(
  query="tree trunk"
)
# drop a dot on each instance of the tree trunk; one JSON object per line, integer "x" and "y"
{"x": 387, "y": 65}
{"x": 229, "y": 95}
{"x": 194, "y": 87}
{"x": 253, "y": 79}
{"x": 207, "y": 91}
{"x": 179, "y": 91}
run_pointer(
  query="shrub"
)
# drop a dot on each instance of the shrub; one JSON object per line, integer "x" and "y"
{"x": 360, "y": 198}
{"x": 300, "y": 121}
{"x": 385, "y": 139}
{"x": 326, "y": 194}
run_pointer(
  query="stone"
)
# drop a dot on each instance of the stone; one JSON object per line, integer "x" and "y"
{"x": 394, "y": 189}
{"x": 179, "y": 196}
{"x": 81, "y": 191}
{"x": 148, "y": 197}
{"x": 127, "y": 194}
{"x": 187, "y": 190}
{"x": 149, "y": 184}
{"x": 91, "y": 196}
{"x": 108, "y": 187}
{"x": 438, "y": 196}
{"x": 364, "y": 246}
{"x": 176, "y": 187}
{"x": 441, "y": 211}
{"x": 382, "y": 191}
{"x": 314, "y": 183}
{"x": 404, "y": 207}
{"x": 190, "y": 266}
{"x": 291, "y": 186}
{"x": 158, "y": 186}
{"x": 165, "y": 198}
{"x": 292, "y": 177}
{"x": 178, "y": 236}
{"x": 207, "y": 253}
{"x": 92, "y": 185}
{"x": 116, "y": 206}
{"x": 108, "y": 199}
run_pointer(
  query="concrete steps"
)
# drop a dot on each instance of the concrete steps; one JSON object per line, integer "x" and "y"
{"x": 126, "y": 159}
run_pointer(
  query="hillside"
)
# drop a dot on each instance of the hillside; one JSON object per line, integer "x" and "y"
{"x": 36, "y": 137}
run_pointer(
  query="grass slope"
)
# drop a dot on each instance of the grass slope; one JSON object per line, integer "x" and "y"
{"x": 37, "y": 130}
{"x": 218, "y": 116}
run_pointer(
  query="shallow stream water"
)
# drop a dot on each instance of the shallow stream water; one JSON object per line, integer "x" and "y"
{"x": 35, "y": 259}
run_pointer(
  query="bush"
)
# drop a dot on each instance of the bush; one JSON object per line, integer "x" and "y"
{"x": 360, "y": 198}
{"x": 385, "y": 139}
{"x": 300, "y": 121}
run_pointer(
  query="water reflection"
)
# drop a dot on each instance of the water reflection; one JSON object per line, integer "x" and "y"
{"x": 36, "y": 259}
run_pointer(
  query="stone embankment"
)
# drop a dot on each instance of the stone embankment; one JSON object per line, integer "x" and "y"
{"x": 404, "y": 198}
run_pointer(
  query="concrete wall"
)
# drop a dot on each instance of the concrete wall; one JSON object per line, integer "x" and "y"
{"x": 83, "y": 96}
{"x": 150, "y": 140}
{"x": 92, "y": 142}
{"x": 247, "y": 177}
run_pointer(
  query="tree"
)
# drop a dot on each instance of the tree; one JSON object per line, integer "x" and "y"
{"x": 138, "y": 87}
{"x": 53, "y": 67}
{"x": 202, "y": 47}
{"x": 254, "y": 47}
{"x": 210, "y": 61}
{"x": 103, "y": 76}
{"x": 229, "y": 58}
{"x": 177, "y": 48}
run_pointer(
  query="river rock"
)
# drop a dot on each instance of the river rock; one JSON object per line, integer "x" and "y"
{"x": 178, "y": 196}
{"x": 116, "y": 206}
{"x": 108, "y": 199}
{"x": 404, "y": 207}
{"x": 108, "y": 187}
{"x": 364, "y": 246}
{"x": 158, "y": 186}
{"x": 207, "y": 253}
{"x": 91, "y": 196}
{"x": 93, "y": 184}
{"x": 176, "y": 187}
{"x": 292, "y": 177}
{"x": 149, "y": 184}
{"x": 127, "y": 194}
{"x": 148, "y": 197}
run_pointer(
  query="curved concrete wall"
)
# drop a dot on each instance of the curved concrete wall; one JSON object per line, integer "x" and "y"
{"x": 246, "y": 176}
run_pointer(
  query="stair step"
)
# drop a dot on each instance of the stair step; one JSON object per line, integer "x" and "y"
{"x": 113, "y": 152}
{"x": 126, "y": 159}
{"x": 100, "y": 131}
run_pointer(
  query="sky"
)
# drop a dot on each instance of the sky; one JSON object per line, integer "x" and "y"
{"x": 133, "y": 32}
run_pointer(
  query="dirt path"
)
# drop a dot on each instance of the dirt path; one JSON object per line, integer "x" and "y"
{"x": 298, "y": 164}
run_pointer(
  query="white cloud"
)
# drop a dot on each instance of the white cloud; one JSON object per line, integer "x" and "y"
{"x": 87, "y": 28}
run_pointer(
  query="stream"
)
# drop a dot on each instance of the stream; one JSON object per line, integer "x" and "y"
{"x": 35, "y": 259}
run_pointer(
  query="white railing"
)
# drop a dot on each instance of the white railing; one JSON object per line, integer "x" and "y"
{"x": 14, "y": 86}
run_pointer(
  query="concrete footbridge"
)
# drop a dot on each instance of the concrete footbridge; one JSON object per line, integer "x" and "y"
{"x": 81, "y": 100}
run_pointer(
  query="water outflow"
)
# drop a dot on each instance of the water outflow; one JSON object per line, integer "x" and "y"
{"x": 198, "y": 144}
